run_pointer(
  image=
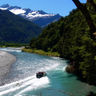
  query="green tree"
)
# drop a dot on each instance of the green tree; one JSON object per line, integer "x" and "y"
{"x": 87, "y": 16}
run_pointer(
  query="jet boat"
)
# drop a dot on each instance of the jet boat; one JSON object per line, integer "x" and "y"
{"x": 41, "y": 74}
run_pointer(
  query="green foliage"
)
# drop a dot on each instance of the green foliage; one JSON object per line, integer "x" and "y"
{"x": 70, "y": 36}
{"x": 6, "y": 44}
{"x": 15, "y": 29}
{"x": 49, "y": 38}
{"x": 41, "y": 52}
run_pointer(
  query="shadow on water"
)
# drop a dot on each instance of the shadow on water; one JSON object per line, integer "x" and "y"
{"x": 70, "y": 75}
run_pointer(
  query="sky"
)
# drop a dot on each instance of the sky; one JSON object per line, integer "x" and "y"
{"x": 62, "y": 7}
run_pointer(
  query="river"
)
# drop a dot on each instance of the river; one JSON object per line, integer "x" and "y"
{"x": 22, "y": 81}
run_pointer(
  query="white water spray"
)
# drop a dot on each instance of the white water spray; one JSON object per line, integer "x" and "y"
{"x": 30, "y": 83}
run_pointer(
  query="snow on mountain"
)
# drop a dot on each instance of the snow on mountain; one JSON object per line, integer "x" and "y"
{"x": 3, "y": 8}
{"x": 36, "y": 14}
{"x": 17, "y": 11}
{"x": 39, "y": 17}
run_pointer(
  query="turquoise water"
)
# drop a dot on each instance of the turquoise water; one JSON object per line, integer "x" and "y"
{"x": 21, "y": 80}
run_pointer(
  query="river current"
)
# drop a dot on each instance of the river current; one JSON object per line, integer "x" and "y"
{"x": 22, "y": 81}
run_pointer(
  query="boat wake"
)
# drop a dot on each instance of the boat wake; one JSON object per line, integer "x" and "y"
{"x": 27, "y": 65}
{"x": 20, "y": 87}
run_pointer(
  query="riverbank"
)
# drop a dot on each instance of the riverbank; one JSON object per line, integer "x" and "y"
{"x": 22, "y": 80}
{"x": 41, "y": 52}
{"x": 6, "y": 60}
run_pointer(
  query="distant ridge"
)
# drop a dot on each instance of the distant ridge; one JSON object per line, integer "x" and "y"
{"x": 39, "y": 17}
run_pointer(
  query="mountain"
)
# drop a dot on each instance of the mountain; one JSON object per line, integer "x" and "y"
{"x": 38, "y": 17}
{"x": 15, "y": 29}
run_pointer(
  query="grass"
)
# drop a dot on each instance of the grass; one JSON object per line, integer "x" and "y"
{"x": 41, "y": 52}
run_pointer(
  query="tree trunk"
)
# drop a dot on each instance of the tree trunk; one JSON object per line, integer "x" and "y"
{"x": 87, "y": 16}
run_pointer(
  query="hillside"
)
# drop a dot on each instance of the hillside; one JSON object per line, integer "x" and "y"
{"x": 70, "y": 36}
{"x": 14, "y": 29}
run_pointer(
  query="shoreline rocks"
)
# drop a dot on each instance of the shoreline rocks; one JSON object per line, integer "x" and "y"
{"x": 70, "y": 69}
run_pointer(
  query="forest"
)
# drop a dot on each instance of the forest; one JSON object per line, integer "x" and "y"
{"x": 74, "y": 38}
